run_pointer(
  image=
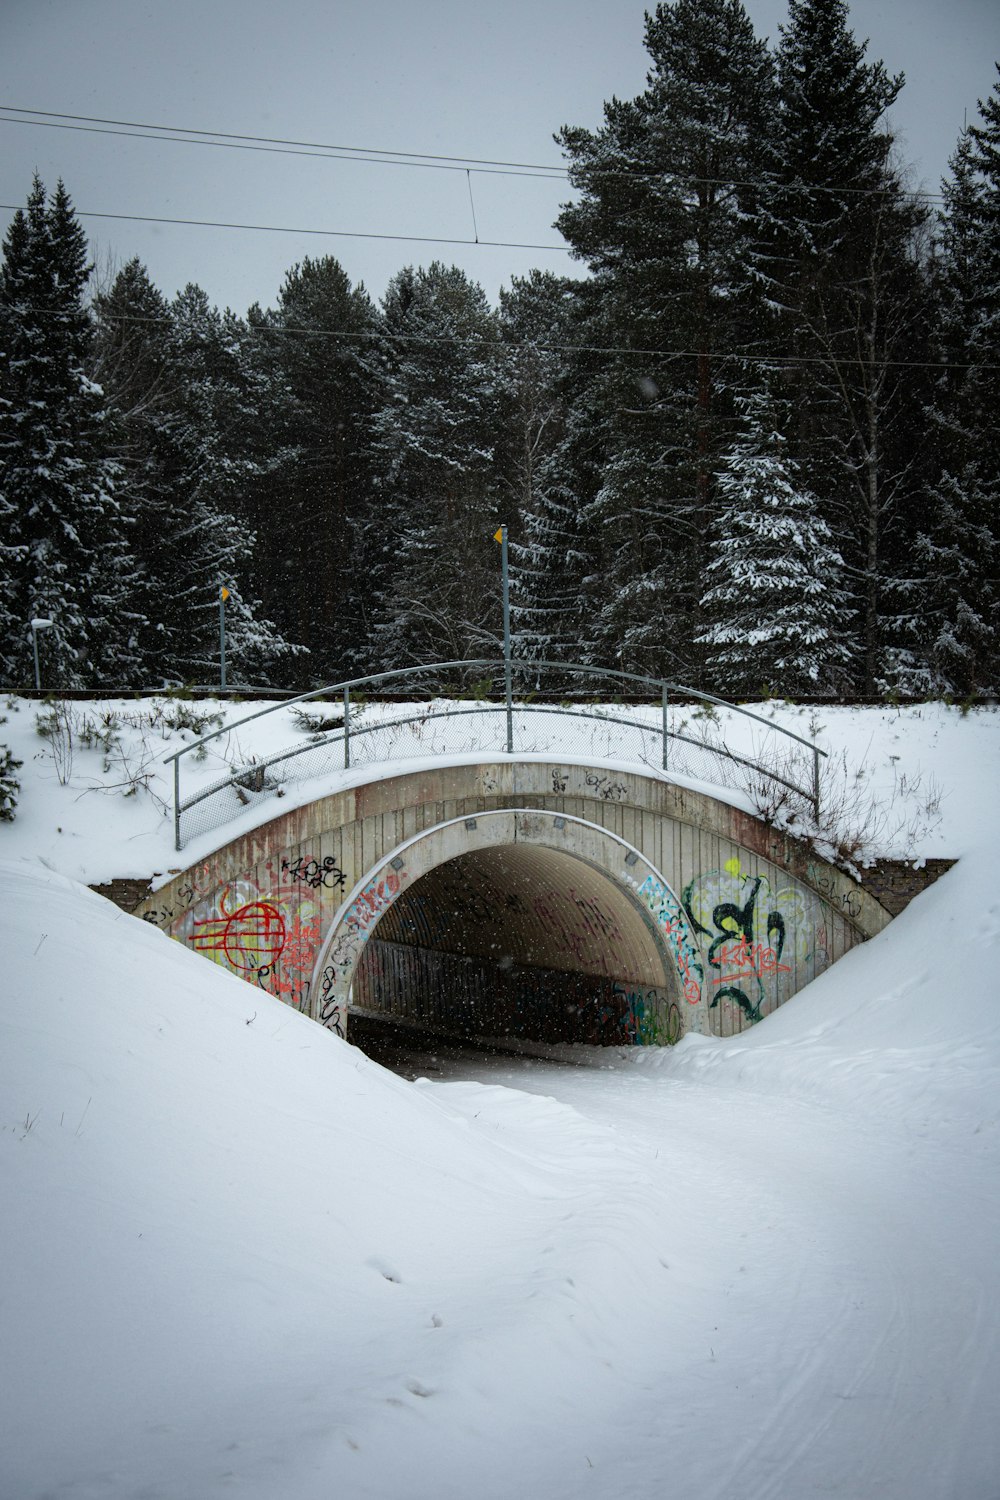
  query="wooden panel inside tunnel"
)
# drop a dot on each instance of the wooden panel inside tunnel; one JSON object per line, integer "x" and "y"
{"x": 522, "y": 944}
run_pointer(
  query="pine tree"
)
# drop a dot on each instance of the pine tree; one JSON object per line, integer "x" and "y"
{"x": 668, "y": 191}
{"x": 65, "y": 554}
{"x": 959, "y": 596}
{"x": 775, "y": 601}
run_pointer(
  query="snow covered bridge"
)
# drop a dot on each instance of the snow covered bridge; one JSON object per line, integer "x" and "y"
{"x": 530, "y": 902}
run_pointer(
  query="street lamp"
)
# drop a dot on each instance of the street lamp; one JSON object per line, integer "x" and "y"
{"x": 223, "y": 596}
{"x": 501, "y": 536}
{"x": 36, "y": 626}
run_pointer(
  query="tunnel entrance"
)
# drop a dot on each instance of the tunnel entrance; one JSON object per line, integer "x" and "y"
{"x": 517, "y": 946}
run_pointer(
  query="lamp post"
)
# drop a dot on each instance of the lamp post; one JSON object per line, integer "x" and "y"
{"x": 501, "y": 537}
{"x": 223, "y": 596}
{"x": 36, "y": 626}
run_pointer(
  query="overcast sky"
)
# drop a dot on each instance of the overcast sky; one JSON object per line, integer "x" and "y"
{"x": 456, "y": 78}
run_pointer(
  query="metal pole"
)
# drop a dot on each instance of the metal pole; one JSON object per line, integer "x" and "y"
{"x": 506, "y": 640}
{"x": 347, "y": 728}
{"x": 816, "y": 784}
{"x": 38, "y": 624}
{"x": 223, "y": 596}
{"x": 177, "y": 802}
{"x": 665, "y": 724}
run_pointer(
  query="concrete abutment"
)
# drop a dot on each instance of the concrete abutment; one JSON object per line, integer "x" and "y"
{"x": 532, "y": 902}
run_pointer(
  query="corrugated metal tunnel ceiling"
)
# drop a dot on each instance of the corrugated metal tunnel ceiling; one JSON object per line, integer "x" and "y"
{"x": 519, "y": 941}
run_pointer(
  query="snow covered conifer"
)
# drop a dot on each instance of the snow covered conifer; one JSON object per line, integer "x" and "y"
{"x": 319, "y": 391}
{"x": 434, "y": 439}
{"x": 959, "y": 547}
{"x": 665, "y": 219}
{"x": 837, "y": 262}
{"x": 172, "y": 374}
{"x": 775, "y": 601}
{"x": 64, "y": 555}
{"x": 540, "y": 401}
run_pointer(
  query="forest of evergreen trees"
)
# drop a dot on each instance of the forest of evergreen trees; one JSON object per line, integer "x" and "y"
{"x": 754, "y": 449}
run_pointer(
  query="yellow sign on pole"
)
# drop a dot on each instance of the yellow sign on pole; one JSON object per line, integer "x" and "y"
{"x": 223, "y": 594}
{"x": 498, "y": 535}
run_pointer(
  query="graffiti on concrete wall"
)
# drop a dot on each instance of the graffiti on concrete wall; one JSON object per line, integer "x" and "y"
{"x": 753, "y": 937}
{"x": 647, "y": 1019}
{"x": 265, "y": 926}
{"x": 315, "y": 873}
{"x": 666, "y": 909}
{"x": 356, "y": 924}
{"x": 831, "y": 889}
{"x": 369, "y": 904}
{"x": 250, "y": 936}
{"x": 330, "y": 1009}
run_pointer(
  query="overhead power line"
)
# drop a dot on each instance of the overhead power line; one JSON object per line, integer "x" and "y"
{"x": 140, "y": 130}
{"x": 350, "y": 234}
{"x": 312, "y": 148}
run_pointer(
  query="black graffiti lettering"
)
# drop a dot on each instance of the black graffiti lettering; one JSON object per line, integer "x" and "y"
{"x": 733, "y": 945}
{"x": 314, "y": 873}
{"x": 740, "y": 998}
{"x": 611, "y": 791}
{"x": 733, "y": 921}
{"x": 776, "y": 934}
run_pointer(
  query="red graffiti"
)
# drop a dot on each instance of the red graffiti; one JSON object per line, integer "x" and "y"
{"x": 373, "y": 900}
{"x": 752, "y": 959}
{"x": 251, "y": 938}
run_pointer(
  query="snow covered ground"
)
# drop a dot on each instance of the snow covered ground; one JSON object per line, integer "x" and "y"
{"x": 238, "y": 1257}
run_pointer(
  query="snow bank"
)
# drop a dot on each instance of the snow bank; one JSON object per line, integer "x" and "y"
{"x": 238, "y": 1257}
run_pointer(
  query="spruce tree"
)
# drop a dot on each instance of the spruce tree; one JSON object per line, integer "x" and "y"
{"x": 65, "y": 554}
{"x": 958, "y": 598}
{"x": 839, "y": 266}
{"x": 668, "y": 189}
{"x": 217, "y": 428}
{"x": 434, "y": 585}
{"x": 172, "y": 374}
{"x": 775, "y": 601}
{"x": 539, "y": 393}
{"x": 314, "y": 500}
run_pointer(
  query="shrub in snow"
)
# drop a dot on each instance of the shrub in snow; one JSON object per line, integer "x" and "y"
{"x": 9, "y": 784}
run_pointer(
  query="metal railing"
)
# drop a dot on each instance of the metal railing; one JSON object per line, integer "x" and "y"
{"x": 369, "y": 732}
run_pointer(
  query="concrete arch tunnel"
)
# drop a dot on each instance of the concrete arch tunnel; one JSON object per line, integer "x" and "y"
{"x": 521, "y": 903}
{"x": 519, "y": 926}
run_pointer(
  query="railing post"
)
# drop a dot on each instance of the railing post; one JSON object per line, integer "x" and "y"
{"x": 666, "y": 704}
{"x": 177, "y": 802}
{"x": 347, "y": 728}
{"x": 815, "y": 783}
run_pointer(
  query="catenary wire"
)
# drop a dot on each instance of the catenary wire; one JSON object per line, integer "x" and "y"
{"x": 415, "y": 158}
{"x": 278, "y": 140}
{"x": 350, "y": 234}
{"x": 331, "y": 153}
